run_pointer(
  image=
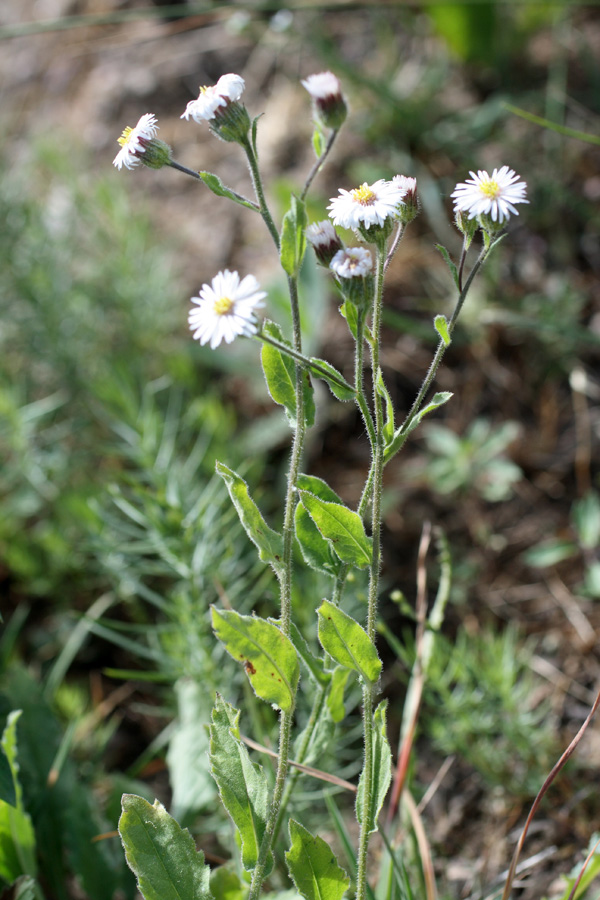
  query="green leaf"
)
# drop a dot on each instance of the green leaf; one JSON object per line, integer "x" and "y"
{"x": 549, "y": 553}
{"x": 313, "y": 867}
{"x": 347, "y": 642}
{"x": 342, "y": 527}
{"x": 388, "y": 428}
{"x": 314, "y": 666}
{"x": 338, "y": 389}
{"x": 350, "y": 314}
{"x": 8, "y": 793}
{"x": 280, "y": 374}
{"x": 381, "y": 770}
{"x": 400, "y": 435}
{"x": 318, "y": 487}
{"x": 293, "y": 242}
{"x": 225, "y": 884}
{"x": 316, "y": 551}
{"x": 242, "y": 784}
{"x": 450, "y": 264}
{"x": 214, "y": 183}
{"x": 161, "y": 854}
{"x": 335, "y": 697}
{"x": 318, "y": 140}
{"x": 441, "y": 326}
{"x": 17, "y": 837}
{"x": 586, "y": 518}
{"x": 269, "y": 657}
{"x": 189, "y": 773}
{"x": 553, "y": 126}
{"x": 269, "y": 542}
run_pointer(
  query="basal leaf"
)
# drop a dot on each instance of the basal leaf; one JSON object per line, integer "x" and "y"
{"x": 269, "y": 542}
{"x": 17, "y": 837}
{"x": 381, "y": 770}
{"x": 280, "y": 374}
{"x": 293, "y": 242}
{"x": 342, "y": 527}
{"x": 269, "y": 657}
{"x": 161, "y": 854}
{"x": 347, "y": 642}
{"x": 313, "y": 867}
{"x": 242, "y": 784}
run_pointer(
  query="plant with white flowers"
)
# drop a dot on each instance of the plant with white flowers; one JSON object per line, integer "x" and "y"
{"x": 332, "y": 538}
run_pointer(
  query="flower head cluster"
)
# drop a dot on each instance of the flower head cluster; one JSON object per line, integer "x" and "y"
{"x": 366, "y": 205}
{"x": 225, "y": 308}
{"x": 328, "y": 103}
{"x": 139, "y": 145}
{"x": 493, "y": 196}
{"x": 324, "y": 240}
{"x": 228, "y": 89}
{"x": 410, "y": 208}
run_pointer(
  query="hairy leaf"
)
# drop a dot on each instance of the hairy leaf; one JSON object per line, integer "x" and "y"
{"x": 335, "y": 697}
{"x": 342, "y": 527}
{"x": 269, "y": 657}
{"x": 161, "y": 854}
{"x": 441, "y": 326}
{"x": 313, "y": 867}
{"x": 269, "y": 542}
{"x": 336, "y": 381}
{"x": 17, "y": 837}
{"x": 280, "y": 374}
{"x": 214, "y": 183}
{"x": 242, "y": 784}
{"x": 347, "y": 642}
{"x": 293, "y": 242}
{"x": 381, "y": 770}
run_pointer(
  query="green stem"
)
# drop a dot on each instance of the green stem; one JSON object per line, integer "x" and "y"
{"x": 404, "y": 430}
{"x": 291, "y": 500}
{"x": 369, "y": 689}
{"x": 258, "y": 190}
{"x": 319, "y": 163}
{"x": 300, "y": 756}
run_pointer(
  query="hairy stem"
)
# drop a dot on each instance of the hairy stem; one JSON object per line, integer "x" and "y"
{"x": 369, "y": 689}
{"x": 258, "y": 190}
{"x": 291, "y": 500}
{"x": 319, "y": 162}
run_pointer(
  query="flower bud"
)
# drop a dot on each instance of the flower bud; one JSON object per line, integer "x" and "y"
{"x": 324, "y": 240}
{"x": 328, "y": 103}
{"x": 410, "y": 208}
{"x": 353, "y": 268}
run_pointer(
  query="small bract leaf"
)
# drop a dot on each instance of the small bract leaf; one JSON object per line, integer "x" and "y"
{"x": 450, "y": 264}
{"x": 242, "y": 784}
{"x": 269, "y": 657}
{"x": 269, "y": 542}
{"x": 161, "y": 854}
{"x": 335, "y": 380}
{"x": 347, "y": 642}
{"x": 313, "y": 867}
{"x": 381, "y": 771}
{"x": 342, "y": 527}
{"x": 214, "y": 183}
{"x": 441, "y": 326}
{"x": 388, "y": 428}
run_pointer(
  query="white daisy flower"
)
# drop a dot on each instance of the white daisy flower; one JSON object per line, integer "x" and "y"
{"x": 405, "y": 183}
{"x": 355, "y": 262}
{"x": 134, "y": 142}
{"x": 493, "y": 195}
{"x": 225, "y": 308}
{"x": 227, "y": 89}
{"x": 367, "y": 205}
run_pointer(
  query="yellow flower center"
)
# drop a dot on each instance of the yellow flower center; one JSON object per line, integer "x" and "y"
{"x": 363, "y": 195}
{"x": 223, "y": 305}
{"x": 490, "y": 188}
{"x": 125, "y": 137}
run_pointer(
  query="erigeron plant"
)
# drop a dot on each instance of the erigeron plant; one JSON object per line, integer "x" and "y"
{"x": 333, "y": 539}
